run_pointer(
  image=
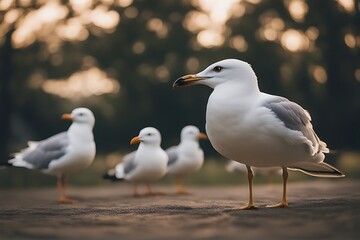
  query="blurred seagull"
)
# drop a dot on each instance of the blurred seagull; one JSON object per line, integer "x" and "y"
{"x": 258, "y": 129}
{"x": 146, "y": 164}
{"x": 63, "y": 153}
{"x": 187, "y": 157}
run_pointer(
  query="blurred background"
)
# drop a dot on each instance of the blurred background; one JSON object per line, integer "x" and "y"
{"x": 120, "y": 57}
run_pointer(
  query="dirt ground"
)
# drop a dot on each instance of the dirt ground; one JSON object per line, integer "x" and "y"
{"x": 319, "y": 209}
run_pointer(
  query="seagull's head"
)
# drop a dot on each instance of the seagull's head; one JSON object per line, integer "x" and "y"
{"x": 148, "y": 135}
{"x": 192, "y": 133}
{"x": 228, "y": 70}
{"x": 80, "y": 115}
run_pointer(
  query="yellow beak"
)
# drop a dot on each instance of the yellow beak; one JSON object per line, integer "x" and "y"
{"x": 135, "y": 140}
{"x": 67, "y": 116}
{"x": 202, "y": 136}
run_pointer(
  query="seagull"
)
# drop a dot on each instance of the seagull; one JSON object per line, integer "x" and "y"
{"x": 146, "y": 164}
{"x": 63, "y": 153}
{"x": 258, "y": 129}
{"x": 187, "y": 157}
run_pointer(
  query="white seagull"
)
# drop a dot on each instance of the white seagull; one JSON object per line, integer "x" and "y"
{"x": 258, "y": 129}
{"x": 63, "y": 153}
{"x": 187, "y": 157}
{"x": 146, "y": 164}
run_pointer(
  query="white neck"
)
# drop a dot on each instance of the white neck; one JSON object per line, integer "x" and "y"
{"x": 148, "y": 145}
{"x": 190, "y": 141}
{"x": 230, "y": 93}
{"x": 82, "y": 132}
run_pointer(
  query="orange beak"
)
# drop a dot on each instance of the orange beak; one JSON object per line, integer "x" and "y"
{"x": 202, "y": 136}
{"x": 135, "y": 140}
{"x": 67, "y": 116}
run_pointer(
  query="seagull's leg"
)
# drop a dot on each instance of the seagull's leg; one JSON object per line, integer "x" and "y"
{"x": 250, "y": 205}
{"x": 150, "y": 192}
{"x": 62, "y": 190}
{"x": 136, "y": 194}
{"x": 180, "y": 188}
{"x": 283, "y": 202}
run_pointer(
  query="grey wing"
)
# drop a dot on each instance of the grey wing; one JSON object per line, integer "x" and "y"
{"x": 296, "y": 118}
{"x": 172, "y": 153}
{"x": 47, "y": 150}
{"x": 129, "y": 162}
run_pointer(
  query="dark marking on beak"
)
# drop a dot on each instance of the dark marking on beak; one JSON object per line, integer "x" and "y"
{"x": 187, "y": 80}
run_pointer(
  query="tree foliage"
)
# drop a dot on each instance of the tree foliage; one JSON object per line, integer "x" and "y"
{"x": 307, "y": 52}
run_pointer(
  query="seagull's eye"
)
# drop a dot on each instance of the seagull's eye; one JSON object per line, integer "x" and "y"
{"x": 149, "y": 134}
{"x": 217, "y": 69}
{"x": 81, "y": 114}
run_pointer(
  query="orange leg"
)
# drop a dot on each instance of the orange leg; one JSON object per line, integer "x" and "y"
{"x": 61, "y": 185}
{"x": 136, "y": 194}
{"x": 250, "y": 205}
{"x": 180, "y": 188}
{"x": 283, "y": 202}
{"x": 150, "y": 192}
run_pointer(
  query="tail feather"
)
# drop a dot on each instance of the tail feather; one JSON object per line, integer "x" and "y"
{"x": 111, "y": 175}
{"x": 115, "y": 174}
{"x": 317, "y": 169}
{"x": 19, "y": 162}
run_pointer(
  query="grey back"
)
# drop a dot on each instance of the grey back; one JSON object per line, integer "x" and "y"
{"x": 172, "y": 153}
{"x": 129, "y": 162}
{"x": 294, "y": 117}
{"x": 47, "y": 150}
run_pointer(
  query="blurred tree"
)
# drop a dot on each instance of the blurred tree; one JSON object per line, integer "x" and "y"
{"x": 43, "y": 27}
{"x": 339, "y": 110}
{"x": 120, "y": 57}
{"x": 5, "y": 96}
{"x": 52, "y": 40}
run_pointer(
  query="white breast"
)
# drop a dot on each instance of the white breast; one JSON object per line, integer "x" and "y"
{"x": 80, "y": 152}
{"x": 190, "y": 159}
{"x": 250, "y": 134}
{"x": 150, "y": 165}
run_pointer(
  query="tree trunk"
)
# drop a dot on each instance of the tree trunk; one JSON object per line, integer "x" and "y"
{"x": 6, "y": 69}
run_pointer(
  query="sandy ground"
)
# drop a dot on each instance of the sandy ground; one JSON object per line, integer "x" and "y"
{"x": 319, "y": 209}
